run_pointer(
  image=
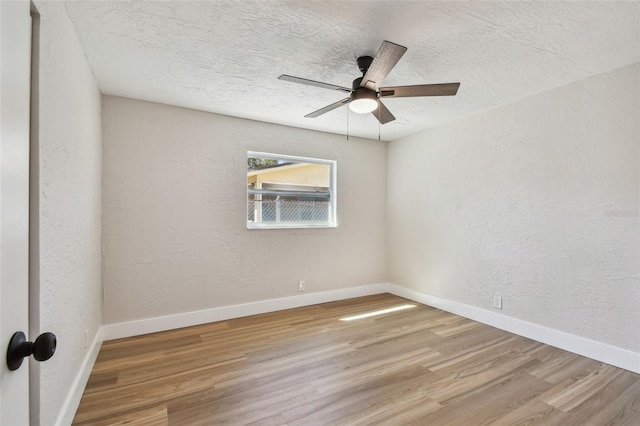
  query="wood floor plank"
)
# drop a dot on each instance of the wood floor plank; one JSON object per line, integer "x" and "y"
{"x": 156, "y": 416}
{"x": 460, "y": 384}
{"x": 483, "y": 408}
{"x": 614, "y": 403}
{"x": 562, "y": 366}
{"x": 533, "y": 413}
{"x": 306, "y": 367}
{"x": 354, "y": 400}
{"x": 572, "y": 396}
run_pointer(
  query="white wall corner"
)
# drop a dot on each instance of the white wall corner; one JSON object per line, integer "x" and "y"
{"x": 187, "y": 319}
{"x": 72, "y": 401}
{"x": 599, "y": 351}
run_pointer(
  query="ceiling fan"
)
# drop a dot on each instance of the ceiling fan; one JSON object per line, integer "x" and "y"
{"x": 365, "y": 92}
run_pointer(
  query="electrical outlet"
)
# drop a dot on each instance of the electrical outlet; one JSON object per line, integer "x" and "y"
{"x": 301, "y": 286}
{"x": 497, "y": 302}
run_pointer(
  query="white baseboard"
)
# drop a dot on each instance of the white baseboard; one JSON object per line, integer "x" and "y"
{"x": 596, "y": 350}
{"x": 71, "y": 403}
{"x": 582, "y": 346}
{"x": 170, "y": 322}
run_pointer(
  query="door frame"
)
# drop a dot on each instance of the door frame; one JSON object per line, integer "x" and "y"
{"x": 34, "y": 214}
{"x": 15, "y": 51}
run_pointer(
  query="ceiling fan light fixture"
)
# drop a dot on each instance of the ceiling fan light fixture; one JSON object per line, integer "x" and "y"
{"x": 363, "y": 101}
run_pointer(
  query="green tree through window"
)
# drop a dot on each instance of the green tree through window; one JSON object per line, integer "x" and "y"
{"x": 260, "y": 163}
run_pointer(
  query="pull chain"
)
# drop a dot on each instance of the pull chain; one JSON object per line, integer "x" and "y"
{"x": 378, "y": 121}
{"x": 347, "y": 124}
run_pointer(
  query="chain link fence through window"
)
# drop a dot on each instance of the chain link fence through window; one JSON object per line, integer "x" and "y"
{"x": 288, "y": 209}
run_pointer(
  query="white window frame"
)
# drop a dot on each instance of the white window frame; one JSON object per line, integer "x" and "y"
{"x": 332, "y": 220}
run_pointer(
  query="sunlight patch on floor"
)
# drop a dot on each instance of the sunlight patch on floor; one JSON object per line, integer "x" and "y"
{"x": 376, "y": 313}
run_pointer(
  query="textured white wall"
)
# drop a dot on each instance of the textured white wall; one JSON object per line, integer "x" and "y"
{"x": 69, "y": 216}
{"x": 537, "y": 201}
{"x": 174, "y": 213}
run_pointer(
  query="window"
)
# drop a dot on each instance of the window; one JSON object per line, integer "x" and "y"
{"x": 284, "y": 191}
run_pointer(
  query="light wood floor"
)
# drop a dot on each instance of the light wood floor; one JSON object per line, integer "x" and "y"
{"x": 306, "y": 367}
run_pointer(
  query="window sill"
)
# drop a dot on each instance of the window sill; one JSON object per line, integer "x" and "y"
{"x": 291, "y": 225}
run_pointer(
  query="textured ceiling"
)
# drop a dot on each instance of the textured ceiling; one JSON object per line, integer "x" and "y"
{"x": 225, "y": 56}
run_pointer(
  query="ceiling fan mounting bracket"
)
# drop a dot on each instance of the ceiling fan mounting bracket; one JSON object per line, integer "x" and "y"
{"x": 363, "y": 63}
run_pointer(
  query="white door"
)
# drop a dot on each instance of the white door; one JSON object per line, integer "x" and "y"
{"x": 15, "y": 57}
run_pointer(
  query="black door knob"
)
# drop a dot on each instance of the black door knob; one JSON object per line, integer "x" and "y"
{"x": 42, "y": 349}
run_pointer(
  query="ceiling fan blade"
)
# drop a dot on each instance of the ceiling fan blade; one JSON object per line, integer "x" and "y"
{"x": 387, "y": 57}
{"x": 307, "y": 82}
{"x": 328, "y": 108}
{"x": 383, "y": 114}
{"x": 446, "y": 89}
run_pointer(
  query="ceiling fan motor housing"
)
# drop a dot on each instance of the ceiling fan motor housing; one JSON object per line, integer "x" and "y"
{"x": 363, "y": 93}
{"x": 363, "y": 63}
